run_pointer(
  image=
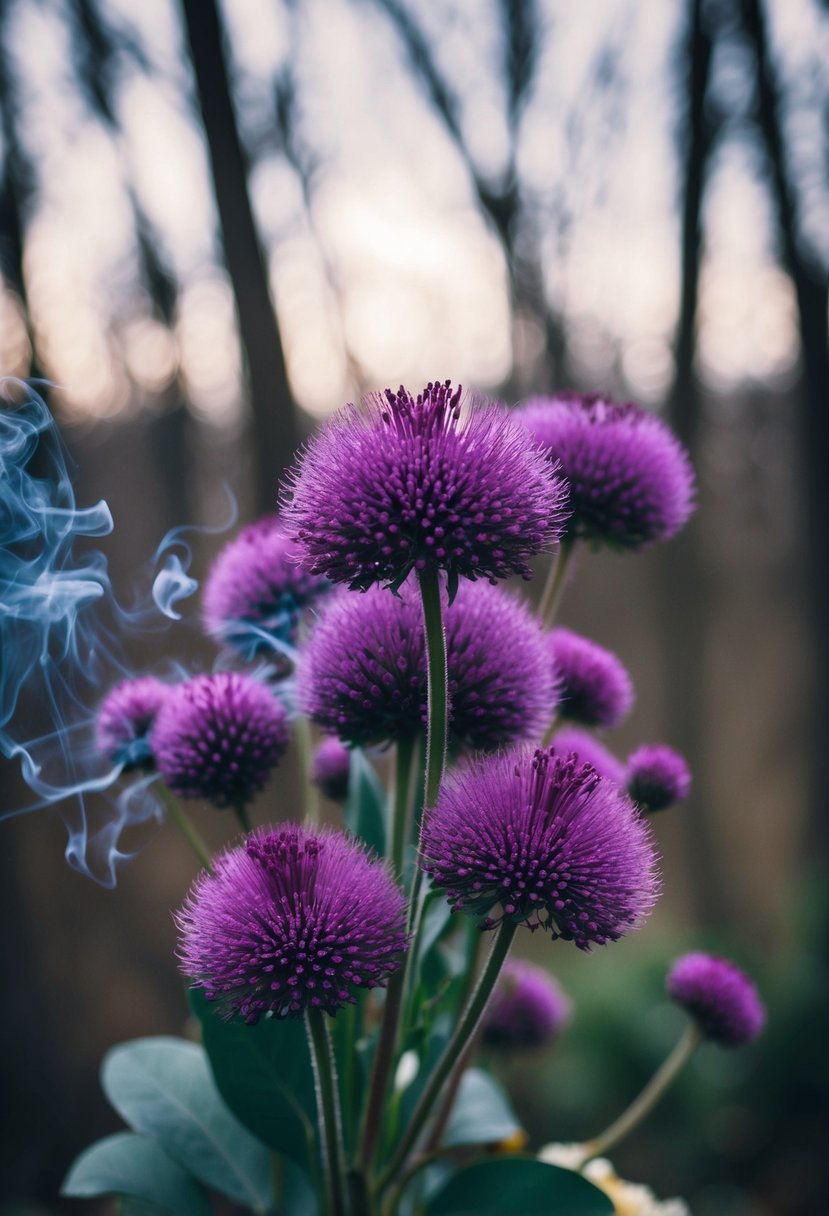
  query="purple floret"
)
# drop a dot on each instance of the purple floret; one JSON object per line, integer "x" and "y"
{"x": 256, "y": 591}
{"x": 719, "y": 997}
{"x": 548, "y": 840}
{"x": 363, "y": 675}
{"x": 432, "y": 480}
{"x": 657, "y": 777}
{"x": 125, "y": 718}
{"x": 528, "y": 1008}
{"x": 292, "y": 920}
{"x": 331, "y": 769}
{"x": 218, "y": 737}
{"x": 631, "y": 482}
{"x": 594, "y": 686}
{"x": 589, "y": 751}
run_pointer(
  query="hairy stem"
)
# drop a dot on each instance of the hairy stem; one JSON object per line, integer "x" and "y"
{"x": 454, "y": 1050}
{"x": 648, "y": 1098}
{"x": 176, "y": 813}
{"x": 327, "y": 1109}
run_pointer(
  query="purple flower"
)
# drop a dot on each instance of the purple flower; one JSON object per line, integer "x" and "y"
{"x": 415, "y": 481}
{"x": 719, "y": 997}
{"x": 331, "y": 769}
{"x": 589, "y": 751}
{"x": 527, "y": 1009}
{"x": 594, "y": 687}
{"x": 255, "y": 591}
{"x": 631, "y": 482}
{"x": 363, "y": 675}
{"x": 125, "y": 718}
{"x": 291, "y": 920}
{"x": 657, "y": 777}
{"x": 549, "y": 840}
{"x": 218, "y": 737}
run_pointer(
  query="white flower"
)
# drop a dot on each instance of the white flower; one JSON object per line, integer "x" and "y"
{"x": 629, "y": 1198}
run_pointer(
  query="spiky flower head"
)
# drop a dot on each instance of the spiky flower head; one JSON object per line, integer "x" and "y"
{"x": 547, "y": 839}
{"x": 594, "y": 686}
{"x": 218, "y": 737}
{"x": 291, "y": 920}
{"x": 125, "y": 718}
{"x": 720, "y": 998}
{"x": 631, "y": 482}
{"x": 331, "y": 769}
{"x": 363, "y": 674}
{"x": 255, "y": 592}
{"x": 589, "y": 751}
{"x": 528, "y": 1008}
{"x": 657, "y": 777}
{"x": 427, "y": 480}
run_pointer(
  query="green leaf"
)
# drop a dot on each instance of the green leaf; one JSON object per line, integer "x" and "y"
{"x": 163, "y": 1088}
{"x": 263, "y": 1072}
{"x": 365, "y": 806}
{"x": 127, "y": 1164}
{"x": 481, "y": 1113}
{"x": 518, "y": 1186}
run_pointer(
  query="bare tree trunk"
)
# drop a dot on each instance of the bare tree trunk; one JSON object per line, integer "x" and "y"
{"x": 276, "y": 433}
{"x": 811, "y": 290}
{"x": 682, "y": 568}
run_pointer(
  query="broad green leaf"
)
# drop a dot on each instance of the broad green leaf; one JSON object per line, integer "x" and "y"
{"x": 481, "y": 1113}
{"x": 518, "y": 1186}
{"x": 263, "y": 1072}
{"x": 365, "y": 807}
{"x": 127, "y": 1164}
{"x": 163, "y": 1088}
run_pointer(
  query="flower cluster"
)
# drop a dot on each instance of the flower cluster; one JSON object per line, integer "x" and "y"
{"x": 722, "y": 1000}
{"x": 125, "y": 719}
{"x": 528, "y": 1008}
{"x": 594, "y": 688}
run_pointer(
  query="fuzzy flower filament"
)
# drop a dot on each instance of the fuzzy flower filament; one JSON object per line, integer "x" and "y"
{"x": 291, "y": 921}
{"x": 547, "y": 840}
{"x": 425, "y": 480}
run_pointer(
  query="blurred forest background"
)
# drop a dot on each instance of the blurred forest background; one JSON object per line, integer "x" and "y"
{"x": 219, "y": 222}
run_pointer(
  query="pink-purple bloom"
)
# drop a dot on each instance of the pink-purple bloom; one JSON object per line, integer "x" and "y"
{"x": 432, "y": 480}
{"x": 331, "y": 769}
{"x": 527, "y": 1009}
{"x": 218, "y": 737}
{"x": 363, "y": 674}
{"x": 291, "y": 920}
{"x": 657, "y": 777}
{"x": 589, "y": 751}
{"x": 125, "y": 718}
{"x": 548, "y": 840}
{"x": 631, "y": 482}
{"x": 720, "y": 998}
{"x": 594, "y": 686}
{"x": 255, "y": 592}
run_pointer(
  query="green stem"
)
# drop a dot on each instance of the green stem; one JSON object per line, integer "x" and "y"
{"x": 454, "y": 1050}
{"x": 437, "y": 681}
{"x": 327, "y": 1109}
{"x": 277, "y": 1181}
{"x": 305, "y": 748}
{"x": 381, "y": 1069}
{"x": 184, "y": 825}
{"x": 554, "y": 586}
{"x": 241, "y": 813}
{"x": 405, "y": 774}
{"x": 648, "y": 1098}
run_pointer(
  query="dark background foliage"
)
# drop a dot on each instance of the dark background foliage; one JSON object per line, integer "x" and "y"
{"x": 218, "y": 223}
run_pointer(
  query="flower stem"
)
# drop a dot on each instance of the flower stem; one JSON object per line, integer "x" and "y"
{"x": 454, "y": 1050}
{"x": 381, "y": 1069}
{"x": 648, "y": 1098}
{"x": 437, "y": 681}
{"x": 302, "y": 729}
{"x": 554, "y": 586}
{"x": 328, "y": 1112}
{"x": 547, "y": 737}
{"x": 405, "y": 775}
{"x": 184, "y": 825}
{"x": 241, "y": 813}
